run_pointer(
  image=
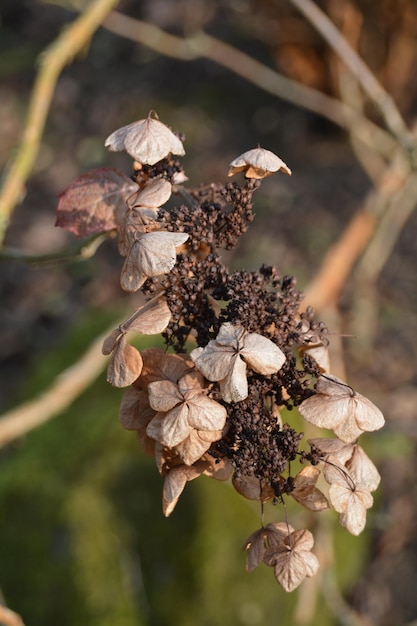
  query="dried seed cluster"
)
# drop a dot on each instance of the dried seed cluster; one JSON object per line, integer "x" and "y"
{"x": 238, "y": 351}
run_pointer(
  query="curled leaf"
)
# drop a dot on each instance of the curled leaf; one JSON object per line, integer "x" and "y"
{"x": 146, "y": 141}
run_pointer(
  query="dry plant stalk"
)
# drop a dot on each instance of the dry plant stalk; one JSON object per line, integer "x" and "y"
{"x": 222, "y": 408}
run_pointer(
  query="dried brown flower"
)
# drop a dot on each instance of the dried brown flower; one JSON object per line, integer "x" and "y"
{"x": 305, "y": 491}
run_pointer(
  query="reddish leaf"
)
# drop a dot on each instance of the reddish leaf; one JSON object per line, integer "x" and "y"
{"x": 91, "y": 202}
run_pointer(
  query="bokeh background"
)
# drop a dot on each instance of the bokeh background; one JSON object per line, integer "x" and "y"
{"x": 82, "y": 537}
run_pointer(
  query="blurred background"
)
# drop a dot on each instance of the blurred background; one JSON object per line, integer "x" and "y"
{"x": 82, "y": 537}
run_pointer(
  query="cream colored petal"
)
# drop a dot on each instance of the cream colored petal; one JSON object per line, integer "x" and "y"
{"x": 125, "y": 365}
{"x": 213, "y": 361}
{"x": 306, "y": 493}
{"x": 147, "y": 141}
{"x": 368, "y": 416}
{"x": 156, "y": 252}
{"x": 234, "y": 387}
{"x": 325, "y": 411}
{"x": 192, "y": 448}
{"x": 348, "y": 429}
{"x": 155, "y": 194}
{"x": 362, "y": 470}
{"x": 206, "y": 414}
{"x": 261, "y": 354}
{"x": 132, "y": 276}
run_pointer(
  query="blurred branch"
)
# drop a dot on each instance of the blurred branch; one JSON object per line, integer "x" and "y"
{"x": 203, "y": 45}
{"x": 360, "y": 70}
{"x": 349, "y": 88}
{"x": 9, "y": 618}
{"x": 52, "y": 61}
{"x": 81, "y": 252}
{"x": 64, "y": 390}
{"x": 339, "y": 261}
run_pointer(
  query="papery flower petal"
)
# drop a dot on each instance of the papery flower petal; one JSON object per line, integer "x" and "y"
{"x": 258, "y": 163}
{"x": 147, "y": 141}
{"x": 261, "y": 354}
{"x": 234, "y": 387}
{"x": 195, "y": 445}
{"x": 206, "y": 414}
{"x": 175, "y": 427}
{"x": 362, "y": 470}
{"x": 156, "y": 254}
{"x": 213, "y": 361}
{"x": 305, "y": 491}
{"x": 154, "y": 194}
{"x": 174, "y": 483}
{"x": 164, "y": 395}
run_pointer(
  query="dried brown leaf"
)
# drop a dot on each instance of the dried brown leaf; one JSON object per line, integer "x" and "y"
{"x": 147, "y": 141}
{"x": 90, "y": 204}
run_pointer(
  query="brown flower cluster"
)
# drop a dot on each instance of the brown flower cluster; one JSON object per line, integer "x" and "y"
{"x": 238, "y": 351}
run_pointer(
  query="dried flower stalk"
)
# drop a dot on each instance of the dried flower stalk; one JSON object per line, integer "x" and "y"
{"x": 215, "y": 409}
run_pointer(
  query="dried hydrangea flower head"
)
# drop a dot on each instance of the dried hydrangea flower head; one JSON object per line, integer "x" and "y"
{"x": 258, "y": 163}
{"x": 146, "y": 141}
{"x": 240, "y": 358}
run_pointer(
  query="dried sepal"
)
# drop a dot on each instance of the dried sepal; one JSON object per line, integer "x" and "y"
{"x": 337, "y": 406}
{"x": 151, "y": 254}
{"x": 224, "y": 359}
{"x": 146, "y": 141}
{"x": 258, "y": 163}
{"x": 196, "y": 445}
{"x": 154, "y": 194}
{"x": 135, "y": 221}
{"x": 125, "y": 364}
{"x": 363, "y": 470}
{"x": 150, "y": 319}
{"x": 320, "y": 353}
{"x": 305, "y": 491}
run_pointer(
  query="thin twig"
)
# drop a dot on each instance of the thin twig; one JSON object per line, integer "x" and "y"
{"x": 52, "y": 61}
{"x": 360, "y": 70}
{"x": 202, "y": 45}
{"x": 80, "y": 252}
